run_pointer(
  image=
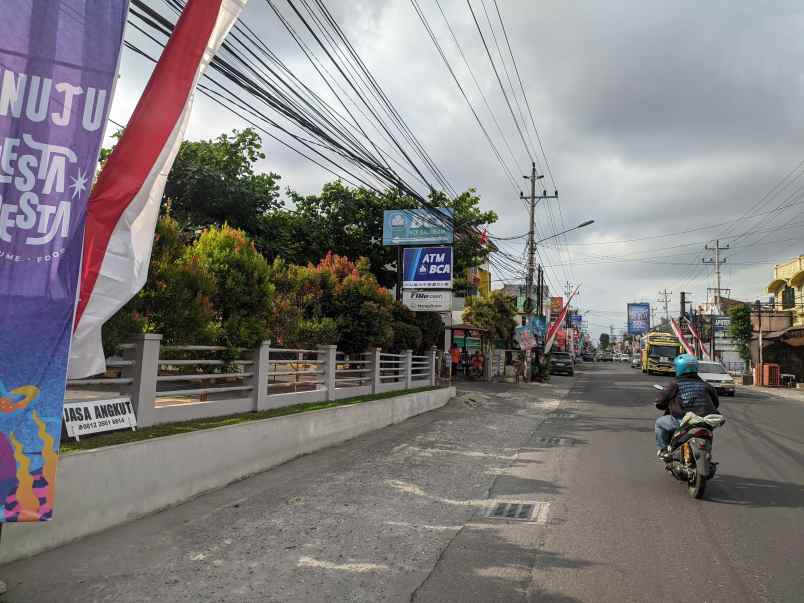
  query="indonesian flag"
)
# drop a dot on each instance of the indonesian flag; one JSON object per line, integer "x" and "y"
{"x": 697, "y": 338}
{"x": 124, "y": 206}
{"x": 554, "y": 327}
{"x": 680, "y": 336}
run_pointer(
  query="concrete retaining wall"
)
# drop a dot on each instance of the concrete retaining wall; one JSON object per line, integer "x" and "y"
{"x": 98, "y": 489}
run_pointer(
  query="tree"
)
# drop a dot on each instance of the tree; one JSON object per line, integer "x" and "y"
{"x": 243, "y": 289}
{"x": 213, "y": 182}
{"x": 604, "y": 341}
{"x": 740, "y": 330}
{"x": 496, "y": 313}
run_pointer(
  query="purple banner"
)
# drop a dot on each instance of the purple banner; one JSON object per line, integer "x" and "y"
{"x": 58, "y": 62}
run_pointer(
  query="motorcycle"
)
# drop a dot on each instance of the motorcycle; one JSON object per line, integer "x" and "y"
{"x": 690, "y": 452}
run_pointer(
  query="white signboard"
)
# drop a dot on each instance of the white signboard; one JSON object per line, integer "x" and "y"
{"x": 427, "y": 301}
{"x": 95, "y": 416}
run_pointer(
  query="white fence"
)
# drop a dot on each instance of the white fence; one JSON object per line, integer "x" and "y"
{"x": 181, "y": 383}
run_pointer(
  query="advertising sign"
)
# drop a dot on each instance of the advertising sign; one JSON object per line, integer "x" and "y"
{"x": 417, "y": 226}
{"x": 427, "y": 301}
{"x": 538, "y": 326}
{"x": 95, "y": 416}
{"x": 427, "y": 268}
{"x": 524, "y": 337}
{"x": 575, "y": 320}
{"x": 57, "y": 74}
{"x": 722, "y": 323}
{"x": 638, "y": 319}
{"x": 556, "y": 303}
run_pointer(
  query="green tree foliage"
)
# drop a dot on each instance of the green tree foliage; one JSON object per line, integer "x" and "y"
{"x": 243, "y": 289}
{"x": 740, "y": 330}
{"x": 214, "y": 182}
{"x": 176, "y": 300}
{"x": 495, "y": 313}
{"x": 604, "y": 341}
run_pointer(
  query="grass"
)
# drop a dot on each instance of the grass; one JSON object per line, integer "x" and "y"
{"x": 168, "y": 429}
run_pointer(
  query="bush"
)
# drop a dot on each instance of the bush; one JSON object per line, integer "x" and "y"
{"x": 243, "y": 289}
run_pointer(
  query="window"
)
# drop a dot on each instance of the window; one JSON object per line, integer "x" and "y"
{"x": 788, "y": 298}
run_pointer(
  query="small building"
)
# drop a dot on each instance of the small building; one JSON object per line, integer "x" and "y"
{"x": 787, "y": 288}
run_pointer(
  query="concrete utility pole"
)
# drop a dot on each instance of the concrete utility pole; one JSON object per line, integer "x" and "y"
{"x": 717, "y": 261}
{"x": 684, "y": 295}
{"x": 531, "y": 241}
{"x": 664, "y": 298}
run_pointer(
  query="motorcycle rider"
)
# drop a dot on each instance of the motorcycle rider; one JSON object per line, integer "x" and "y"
{"x": 687, "y": 393}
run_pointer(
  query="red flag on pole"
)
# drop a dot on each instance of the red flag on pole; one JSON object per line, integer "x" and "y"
{"x": 124, "y": 206}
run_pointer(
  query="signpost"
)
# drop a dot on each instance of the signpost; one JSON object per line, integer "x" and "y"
{"x": 427, "y": 268}
{"x": 95, "y": 416}
{"x": 417, "y": 226}
{"x": 427, "y": 301}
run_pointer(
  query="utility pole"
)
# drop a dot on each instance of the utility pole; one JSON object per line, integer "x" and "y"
{"x": 664, "y": 298}
{"x": 717, "y": 261}
{"x": 532, "y": 225}
{"x": 540, "y": 291}
{"x": 684, "y": 295}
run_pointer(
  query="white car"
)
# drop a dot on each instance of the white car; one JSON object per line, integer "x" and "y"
{"x": 716, "y": 376}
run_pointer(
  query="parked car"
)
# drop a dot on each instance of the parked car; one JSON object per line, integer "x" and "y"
{"x": 716, "y": 375}
{"x": 604, "y": 357}
{"x": 561, "y": 362}
{"x": 588, "y": 357}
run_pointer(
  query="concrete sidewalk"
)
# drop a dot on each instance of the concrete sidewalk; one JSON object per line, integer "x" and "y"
{"x": 778, "y": 392}
{"x": 395, "y": 515}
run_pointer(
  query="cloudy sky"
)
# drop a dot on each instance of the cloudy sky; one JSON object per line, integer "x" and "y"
{"x": 656, "y": 117}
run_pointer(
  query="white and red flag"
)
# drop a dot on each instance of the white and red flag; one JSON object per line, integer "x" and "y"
{"x": 680, "y": 335}
{"x": 554, "y": 327}
{"x": 124, "y": 206}
{"x": 697, "y": 338}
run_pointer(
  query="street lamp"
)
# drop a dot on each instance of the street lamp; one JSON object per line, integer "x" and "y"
{"x": 581, "y": 225}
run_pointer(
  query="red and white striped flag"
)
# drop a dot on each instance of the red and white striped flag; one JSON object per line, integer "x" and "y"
{"x": 124, "y": 206}
{"x": 554, "y": 328}
{"x": 697, "y": 338}
{"x": 680, "y": 335}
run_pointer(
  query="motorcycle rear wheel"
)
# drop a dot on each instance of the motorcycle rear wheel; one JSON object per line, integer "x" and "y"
{"x": 697, "y": 486}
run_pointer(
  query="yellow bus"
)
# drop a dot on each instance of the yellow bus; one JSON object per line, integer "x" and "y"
{"x": 658, "y": 352}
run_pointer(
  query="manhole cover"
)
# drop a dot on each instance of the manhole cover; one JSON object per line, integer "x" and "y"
{"x": 519, "y": 511}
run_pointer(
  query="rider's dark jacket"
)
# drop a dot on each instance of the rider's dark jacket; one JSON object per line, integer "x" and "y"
{"x": 688, "y": 393}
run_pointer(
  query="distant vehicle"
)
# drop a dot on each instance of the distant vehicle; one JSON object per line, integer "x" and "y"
{"x": 604, "y": 357}
{"x": 561, "y": 362}
{"x": 587, "y": 357}
{"x": 716, "y": 376}
{"x": 658, "y": 352}
{"x": 636, "y": 361}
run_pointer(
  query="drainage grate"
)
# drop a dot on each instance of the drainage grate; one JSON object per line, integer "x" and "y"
{"x": 519, "y": 511}
{"x": 555, "y": 441}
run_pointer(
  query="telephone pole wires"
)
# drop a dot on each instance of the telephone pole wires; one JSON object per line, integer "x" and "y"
{"x": 717, "y": 261}
{"x": 664, "y": 298}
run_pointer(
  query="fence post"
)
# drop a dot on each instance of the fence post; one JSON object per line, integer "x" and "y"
{"x": 407, "y": 365}
{"x": 376, "y": 381}
{"x": 434, "y": 368}
{"x": 261, "y": 368}
{"x": 143, "y": 373}
{"x": 327, "y": 355}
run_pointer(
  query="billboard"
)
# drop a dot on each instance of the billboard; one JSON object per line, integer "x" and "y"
{"x": 638, "y": 319}
{"x": 721, "y": 324}
{"x": 575, "y": 320}
{"x": 64, "y": 68}
{"x": 427, "y": 301}
{"x": 427, "y": 268}
{"x": 416, "y": 226}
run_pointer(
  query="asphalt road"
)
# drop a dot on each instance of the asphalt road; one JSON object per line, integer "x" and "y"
{"x": 401, "y": 514}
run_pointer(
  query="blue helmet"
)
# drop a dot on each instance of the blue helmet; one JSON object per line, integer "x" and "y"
{"x": 685, "y": 364}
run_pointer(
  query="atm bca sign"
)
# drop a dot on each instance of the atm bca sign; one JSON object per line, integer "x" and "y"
{"x": 427, "y": 268}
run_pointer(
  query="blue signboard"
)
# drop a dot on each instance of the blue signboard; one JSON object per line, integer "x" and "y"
{"x": 416, "y": 226}
{"x": 538, "y": 326}
{"x": 427, "y": 268}
{"x": 575, "y": 320}
{"x": 638, "y": 319}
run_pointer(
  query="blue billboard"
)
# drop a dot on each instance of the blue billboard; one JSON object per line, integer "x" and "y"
{"x": 575, "y": 320}
{"x": 417, "y": 226}
{"x": 638, "y": 319}
{"x": 427, "y": 268}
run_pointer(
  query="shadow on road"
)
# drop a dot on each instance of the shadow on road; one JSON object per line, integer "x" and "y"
{"x": 752, "y": 492}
